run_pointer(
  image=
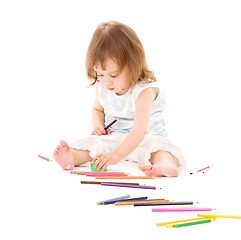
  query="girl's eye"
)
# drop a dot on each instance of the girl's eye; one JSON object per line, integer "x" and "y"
{"x": 99, "y": 75}
{"x": 112, "y": 76}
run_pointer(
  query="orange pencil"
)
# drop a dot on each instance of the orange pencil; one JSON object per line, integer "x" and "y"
{"x": 131, "y": 203}
{"x": 126, "y": 177}
{"x": 99, "y": 173}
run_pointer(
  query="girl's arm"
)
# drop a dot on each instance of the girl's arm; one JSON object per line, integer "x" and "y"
{"x": 98, "y": 117}
{"x": 135, "y": 137}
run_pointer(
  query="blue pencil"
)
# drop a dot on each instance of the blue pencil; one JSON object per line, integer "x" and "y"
{"x": 125, "y": 200}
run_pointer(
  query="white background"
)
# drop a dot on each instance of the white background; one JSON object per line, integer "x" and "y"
{"x": 194, "y": 49}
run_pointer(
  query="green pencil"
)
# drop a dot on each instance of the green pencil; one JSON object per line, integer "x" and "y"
{"x": 190, "y": 223}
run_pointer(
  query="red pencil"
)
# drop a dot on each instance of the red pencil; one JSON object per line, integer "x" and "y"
{"x": 200, "y": 170}
{"x": 47, "y": 159}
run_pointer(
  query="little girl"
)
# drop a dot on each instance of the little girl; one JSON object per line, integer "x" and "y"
{"x": 125, "y": 89}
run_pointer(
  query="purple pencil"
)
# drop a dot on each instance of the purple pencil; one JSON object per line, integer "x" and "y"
{"x": 109, "y": 125}
{"x": 130, "y": 186}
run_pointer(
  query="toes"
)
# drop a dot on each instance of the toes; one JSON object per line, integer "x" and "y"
{"x": 142, "y": 168}
{"x": 56, "y": 151}
{"x": 63, "y": 143}
{"x": 145, "y": 168}
{"x": 149, "y": 168}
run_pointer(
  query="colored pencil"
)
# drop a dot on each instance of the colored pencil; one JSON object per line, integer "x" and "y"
{"x": 126, "y": 177}
{"x": 101, "y": 175}
{"x": 129, "y": 186}
{"x": 47, "y": 159}
{"x": 164, "y": 203}
{"x": 180, "y": 221}
{"x": 95, "y": 182}
{"x": 98, "y": 173}
{"x": 177, "y": 225}
{"x": 146, "y": 201}
{"x": 218, "y": 216}
{"x": 109, "y": 125}
{"x": 208, "y": 169}
{"x": 200, "y": 170}
{"x": 113, "y": 199}
{"x": 182, "y": 209}
{"x": 129, "y": 199}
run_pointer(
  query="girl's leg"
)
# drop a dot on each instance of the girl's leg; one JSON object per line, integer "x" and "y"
{"x": 68, "y": 157}
{"x": 163, "y": 165}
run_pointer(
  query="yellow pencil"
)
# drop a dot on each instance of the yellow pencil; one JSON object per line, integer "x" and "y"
{"x": 218, "y": 216}
{"x": 181, "y": 221}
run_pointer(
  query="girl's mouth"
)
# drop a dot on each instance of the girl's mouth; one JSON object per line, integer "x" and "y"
{"x": 111, "y": 89}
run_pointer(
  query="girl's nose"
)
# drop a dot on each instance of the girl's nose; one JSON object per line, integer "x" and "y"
{"x": 108, "y": 82}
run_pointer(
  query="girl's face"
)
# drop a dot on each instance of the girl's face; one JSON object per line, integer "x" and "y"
{"x": 109, "y": 79}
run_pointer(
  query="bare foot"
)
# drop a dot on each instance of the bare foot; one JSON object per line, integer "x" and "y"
{"x": 160, "y": 170}
{"x": 63, "y": 156}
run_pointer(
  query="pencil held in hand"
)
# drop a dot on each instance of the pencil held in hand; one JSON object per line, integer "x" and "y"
{"x": 102, "y": 131}
{"x": 109, "y": 125}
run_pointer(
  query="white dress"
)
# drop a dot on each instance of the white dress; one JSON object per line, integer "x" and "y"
{"x": 123, "y": 107}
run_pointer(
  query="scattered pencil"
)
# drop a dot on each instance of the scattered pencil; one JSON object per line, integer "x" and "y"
{"x": 98, "y": 173}
{"x": 180, "y": 221}
{"x": 177, "y": 225}
{"x": 102, "y": 175}
{"x": 96, "y": 182}
{"x": 126, "y": 177}
{"x": 145, "y": 201}
{"x": 164, "y": 203}
{"x": 124, "y": 200}
{"x": 206, "y": 170}
{"x": 213, "y": 216}
{"x": 47, "y": 159}
{"x": 182, "y": 209}
{"x": 113, "y": 199}
{"x": 129, "y": 186}
{"x": 202, "y": 170}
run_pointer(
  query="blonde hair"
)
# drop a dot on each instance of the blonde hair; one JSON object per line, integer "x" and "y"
{"x": 120, "y": 43}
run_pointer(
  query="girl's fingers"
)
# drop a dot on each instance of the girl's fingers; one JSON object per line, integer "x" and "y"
{"x": 104, "y": 166}
{"x": 108, "y": 131}
{"x": 99, "y": 131}
{"x": 97, "y": 156}
{"x": 100, "y": 162}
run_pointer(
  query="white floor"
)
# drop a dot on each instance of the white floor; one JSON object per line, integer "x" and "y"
{"x": 48, "y": 203}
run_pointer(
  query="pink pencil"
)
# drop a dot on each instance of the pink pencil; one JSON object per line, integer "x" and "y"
{"x": 102, "y": 175}
{"x": 98, "y": 173}
{"x": 181, "y": 209}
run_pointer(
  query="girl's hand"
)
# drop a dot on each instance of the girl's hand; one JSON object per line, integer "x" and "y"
{"x": 102, "y": 160}
{"x": 100, "y": 131}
